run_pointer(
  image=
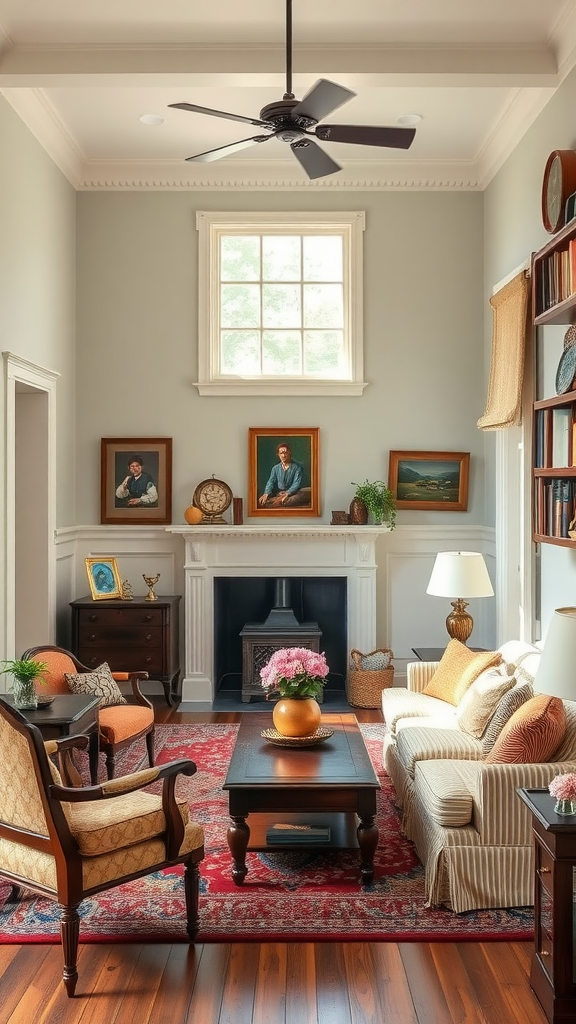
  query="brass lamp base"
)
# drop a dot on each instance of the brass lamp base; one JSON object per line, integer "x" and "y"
{"x": 460, "y": 623}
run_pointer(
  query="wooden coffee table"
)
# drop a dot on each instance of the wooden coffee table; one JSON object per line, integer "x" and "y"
{"x": 331, "y": 786}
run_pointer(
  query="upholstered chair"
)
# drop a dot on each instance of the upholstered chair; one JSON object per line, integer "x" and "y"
{"x": 120, "y": 725}
{"x": 68, "y": 842}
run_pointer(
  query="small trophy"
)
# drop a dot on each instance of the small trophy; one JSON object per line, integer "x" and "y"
{"x": 127, "y": 593}
{"x": 150, "y": 581}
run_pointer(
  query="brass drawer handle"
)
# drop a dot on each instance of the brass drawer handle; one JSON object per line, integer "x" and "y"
{"x": 148, "y": 636}
{"x": 543, "y": 871}
{"x": 92, "y": 636}
{"x": 544, "y": 952}
{"x": 92, "y": 618}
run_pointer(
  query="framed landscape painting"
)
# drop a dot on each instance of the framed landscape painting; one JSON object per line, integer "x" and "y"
{"x": 136, "y": 480}
{"x": 437, "y": 481}
{"x": 283, "y": 471}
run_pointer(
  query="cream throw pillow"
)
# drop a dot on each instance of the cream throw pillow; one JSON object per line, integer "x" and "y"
{"x": 100, "y": 683}
{"x": 457, "y": 670}
{"x": 481, "y": 699}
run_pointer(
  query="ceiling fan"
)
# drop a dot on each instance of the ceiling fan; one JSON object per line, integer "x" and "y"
{"x": 296, "y": 122}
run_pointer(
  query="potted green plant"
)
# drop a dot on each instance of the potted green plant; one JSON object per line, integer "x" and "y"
{"x": 25, "y": 673}
{"x": 379, "y": 501}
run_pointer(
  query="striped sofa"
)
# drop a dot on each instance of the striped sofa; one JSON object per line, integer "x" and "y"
{"x": 471, "y": 830}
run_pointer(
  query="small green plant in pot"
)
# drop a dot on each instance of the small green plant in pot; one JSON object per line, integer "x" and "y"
{"x": 25, "y": 673}
{"x": 379, "y": 501}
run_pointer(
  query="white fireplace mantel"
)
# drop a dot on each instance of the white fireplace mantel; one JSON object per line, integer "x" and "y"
{"x": 271, "y": 550}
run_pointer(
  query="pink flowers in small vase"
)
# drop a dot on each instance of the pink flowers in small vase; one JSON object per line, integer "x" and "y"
{"x": 563, "y": 787}
{"x": 294, "y": 672}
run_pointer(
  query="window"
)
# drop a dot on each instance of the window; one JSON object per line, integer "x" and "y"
{"x": 280, "y": 303}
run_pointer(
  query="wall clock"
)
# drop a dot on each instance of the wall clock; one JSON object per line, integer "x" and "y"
{"x": 558, "y": 183}
{"x": 212, "y": 497}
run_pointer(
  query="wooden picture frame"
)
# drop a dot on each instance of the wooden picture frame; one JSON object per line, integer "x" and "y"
{"x": 104, "y": 578}
{"x": 433, "y": 481}
{"x": 125, "y": 496}
{"x": 265, "y": 472}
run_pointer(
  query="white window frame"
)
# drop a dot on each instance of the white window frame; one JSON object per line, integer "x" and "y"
{"x": 210, "y": 225}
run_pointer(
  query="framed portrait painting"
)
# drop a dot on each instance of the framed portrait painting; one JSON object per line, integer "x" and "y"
{"x": 104, "y": 578}
{"x": 283, "y": 471}
{"x": 136, "y": 480}
{"x": 437, "y": 481}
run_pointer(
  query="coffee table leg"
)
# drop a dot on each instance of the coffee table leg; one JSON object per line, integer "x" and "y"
{"x": 238, "y": 836}
{"x": 367, "y": 833}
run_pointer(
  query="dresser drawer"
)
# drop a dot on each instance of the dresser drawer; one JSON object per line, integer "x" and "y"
{"x": 120, "y": 617}
{"x": 106, "y": 636}
{"x": 126, "y": 659}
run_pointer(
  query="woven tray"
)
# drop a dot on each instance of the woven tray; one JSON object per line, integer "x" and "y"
{"x": 364, "y": 686}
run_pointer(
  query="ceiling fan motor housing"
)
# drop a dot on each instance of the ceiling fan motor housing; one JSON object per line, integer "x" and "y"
{"x": 287, "y": 127}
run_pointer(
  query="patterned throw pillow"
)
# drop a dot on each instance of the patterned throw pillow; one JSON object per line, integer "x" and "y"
{"x": 458, "y": 668}
{"x": 99, "y": 683}
{"x": 373, "y": 662}
{"x": 510, "y": 703}
{"x": 479, "y": 702}
{"x": 533, "y": 734}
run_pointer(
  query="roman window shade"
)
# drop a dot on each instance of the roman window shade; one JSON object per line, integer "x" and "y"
{"x": 509, "y": 336}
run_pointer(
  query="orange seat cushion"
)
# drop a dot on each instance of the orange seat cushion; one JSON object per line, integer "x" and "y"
{"x": 120, "y": 723}
{"x": 58, "y": 664}
{"x": 533, "y": 733}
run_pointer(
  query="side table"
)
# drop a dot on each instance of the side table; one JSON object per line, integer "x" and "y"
{"x": 69, "y": 714}
{"x": 553, "y": 971}
{"x": 131, "y": 636}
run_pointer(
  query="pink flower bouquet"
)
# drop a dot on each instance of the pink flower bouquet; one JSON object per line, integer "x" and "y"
{"x": 563, "y": 787}
{"x": 294, "y": 672}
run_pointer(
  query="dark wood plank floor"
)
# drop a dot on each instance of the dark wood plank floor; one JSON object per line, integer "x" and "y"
{"x": 272, "y": 983}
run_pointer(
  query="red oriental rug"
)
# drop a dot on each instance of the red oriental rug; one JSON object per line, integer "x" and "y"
{"x": 301, "y": 896}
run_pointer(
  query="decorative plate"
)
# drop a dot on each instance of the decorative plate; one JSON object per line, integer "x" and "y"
{"x": 566, "y": 370}
{"x": 45, "y": 702}
{"x": 273, "y": 736}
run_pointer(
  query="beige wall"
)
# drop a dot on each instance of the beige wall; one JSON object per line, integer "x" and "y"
{"x": 137, "y": 340}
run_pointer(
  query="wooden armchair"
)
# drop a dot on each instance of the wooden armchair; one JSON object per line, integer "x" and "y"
{"x": 119, "y": 725}
{"x": 68, "y": 842}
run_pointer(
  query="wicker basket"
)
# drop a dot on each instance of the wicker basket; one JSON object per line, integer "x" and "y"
{"x": 364, "y": 686}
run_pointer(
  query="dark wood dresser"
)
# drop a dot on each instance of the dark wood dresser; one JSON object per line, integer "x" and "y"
{"x": 131, "y": 636}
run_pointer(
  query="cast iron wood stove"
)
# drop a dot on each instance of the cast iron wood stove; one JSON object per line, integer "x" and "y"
{"x": 280, "y": 629}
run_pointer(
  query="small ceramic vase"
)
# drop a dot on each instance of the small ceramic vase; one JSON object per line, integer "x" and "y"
{"x": 358, "y": 512}
{"x": 294, "y": 717}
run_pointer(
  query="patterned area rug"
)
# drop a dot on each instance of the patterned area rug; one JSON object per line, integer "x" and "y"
{"x": 301, "y": 896}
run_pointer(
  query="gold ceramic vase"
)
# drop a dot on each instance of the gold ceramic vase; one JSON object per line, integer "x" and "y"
{"x": 295, "y": 717}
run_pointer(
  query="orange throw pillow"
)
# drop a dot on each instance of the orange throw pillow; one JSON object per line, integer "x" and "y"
{"x": 533, "y": 733}
{"x": 459, "y": 668}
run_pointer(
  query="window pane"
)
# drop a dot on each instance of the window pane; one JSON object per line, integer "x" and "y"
{"x": 281, "y": 352}
{"x": 281, "y": 256}
{"x": 322, "y": 258}
{"x": 240, "y": 352}
{"x": 240, "y": 258}
{"x": 240, "y": 305}
{"x": 281, "y": 306}
{"x": 323, "y": 305}
{"x": 324, "y": 354}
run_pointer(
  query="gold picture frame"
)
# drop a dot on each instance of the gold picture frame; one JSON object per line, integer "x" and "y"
{"x": 433, "y": 481}
{"x": 263, "y": 446}
{"x": 104, "y": 578}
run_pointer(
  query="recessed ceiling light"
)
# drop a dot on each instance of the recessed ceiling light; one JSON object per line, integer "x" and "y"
{"x": 409, "y": 120}
{"x": 151, "y": 119}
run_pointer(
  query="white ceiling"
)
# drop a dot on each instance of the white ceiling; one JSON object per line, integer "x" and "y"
{"x": 478, "y": 71}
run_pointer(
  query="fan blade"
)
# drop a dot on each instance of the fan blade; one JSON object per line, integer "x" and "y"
{"x": 366, "y": 135}
{"x": 314, "y": 160}
{"x": 322, "y": 99}
{"x": 221, "y": 113}
{"x": 234, "y": 147}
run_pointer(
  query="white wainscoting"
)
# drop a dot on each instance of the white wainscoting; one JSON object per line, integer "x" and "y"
{"x": 406, "y": 616}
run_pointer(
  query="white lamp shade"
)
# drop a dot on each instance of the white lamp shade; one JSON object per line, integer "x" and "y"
{"x": 460, "y": 574}
{"x": 556, "y": 673}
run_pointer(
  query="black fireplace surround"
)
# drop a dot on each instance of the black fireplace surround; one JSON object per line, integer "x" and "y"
{"x": 247, "y": 599}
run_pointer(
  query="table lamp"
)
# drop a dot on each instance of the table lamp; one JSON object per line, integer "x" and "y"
{"x": 555, "y": 673}
{"x": 460, "y": 575}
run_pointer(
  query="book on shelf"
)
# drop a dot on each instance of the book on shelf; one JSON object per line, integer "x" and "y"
{"x": 304, "y": 834}
{"x": 561, "y": 436}
{"x": 573, "y": 451}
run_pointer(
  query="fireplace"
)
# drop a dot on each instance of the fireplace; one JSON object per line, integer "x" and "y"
{"x": 307, "y": 555}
